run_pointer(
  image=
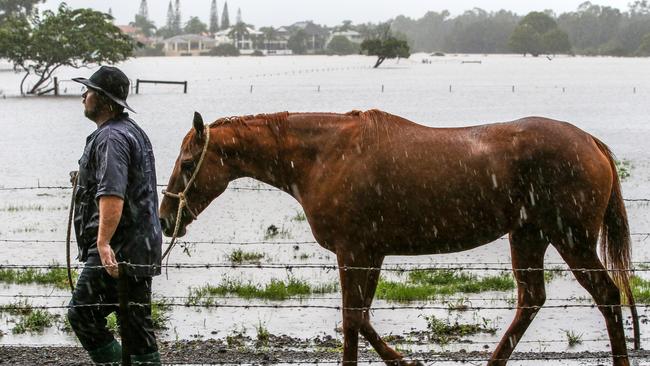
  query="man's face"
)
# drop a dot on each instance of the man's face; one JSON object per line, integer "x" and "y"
{"x": 91, "y": 102}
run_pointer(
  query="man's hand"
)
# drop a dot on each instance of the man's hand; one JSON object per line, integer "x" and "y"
{"x": 108, "y": 259}
{"x": 110, "y": 212}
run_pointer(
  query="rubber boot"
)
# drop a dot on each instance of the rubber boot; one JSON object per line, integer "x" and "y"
{"x": 150, "y": 359}
{"x": 110, "y": 354}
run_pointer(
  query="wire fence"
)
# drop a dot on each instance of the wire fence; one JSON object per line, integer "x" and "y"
{"x": 225, "y": 302}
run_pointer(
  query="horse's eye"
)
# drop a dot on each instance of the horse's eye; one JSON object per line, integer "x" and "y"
{"x": 187, "y": 165}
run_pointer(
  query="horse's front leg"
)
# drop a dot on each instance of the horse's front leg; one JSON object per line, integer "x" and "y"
{"x": 359, "y": 277}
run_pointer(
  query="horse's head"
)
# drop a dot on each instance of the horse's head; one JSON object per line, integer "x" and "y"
{"x": 199, "y": 176}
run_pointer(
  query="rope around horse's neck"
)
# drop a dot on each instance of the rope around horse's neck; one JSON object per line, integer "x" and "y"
{"x": 75, "y": 180}
{"x": 182, "y": 201}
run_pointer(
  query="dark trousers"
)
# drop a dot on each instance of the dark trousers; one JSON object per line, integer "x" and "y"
{"x": 96, "y": 286}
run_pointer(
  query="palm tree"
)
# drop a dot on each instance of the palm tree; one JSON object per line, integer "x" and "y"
{"x": 270, "y": 34}
{"x": 238, "y": 32}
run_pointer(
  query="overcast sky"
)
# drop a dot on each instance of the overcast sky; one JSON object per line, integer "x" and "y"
{"x": 328, "y": 12}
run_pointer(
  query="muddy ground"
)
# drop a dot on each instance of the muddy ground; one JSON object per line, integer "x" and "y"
{"x": 283, "y": 350}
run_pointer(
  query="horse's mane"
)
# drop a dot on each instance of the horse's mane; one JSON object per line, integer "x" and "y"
{"x": 243, "y": 120}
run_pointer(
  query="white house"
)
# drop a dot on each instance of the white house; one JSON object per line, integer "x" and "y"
{"x": 188, "y": 45}
{"x": 245, "y": 43}
{"x": 352, "y": 36}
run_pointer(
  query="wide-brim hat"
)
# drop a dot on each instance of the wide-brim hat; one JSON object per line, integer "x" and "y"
{"x": 111, "y": 82}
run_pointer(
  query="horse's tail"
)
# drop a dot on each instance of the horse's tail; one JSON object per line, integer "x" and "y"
{"x": 616, "y": 241}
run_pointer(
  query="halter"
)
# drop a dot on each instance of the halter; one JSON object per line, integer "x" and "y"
{"x": 182, "y": 200}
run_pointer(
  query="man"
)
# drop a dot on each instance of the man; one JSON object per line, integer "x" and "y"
{"x": 116, "y": 220}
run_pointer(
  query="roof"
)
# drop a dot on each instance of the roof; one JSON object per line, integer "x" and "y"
{"x": 189, "y": 38}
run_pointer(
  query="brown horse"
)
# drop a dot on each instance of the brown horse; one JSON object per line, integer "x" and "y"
{"x": 374, "y": 184}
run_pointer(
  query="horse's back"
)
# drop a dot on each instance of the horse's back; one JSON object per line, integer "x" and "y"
{"x": 450, "y": 189}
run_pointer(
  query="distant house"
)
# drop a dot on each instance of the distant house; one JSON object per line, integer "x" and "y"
{"x": 317, "y": 35}
{"x": 279, "y": 43}
{"x": 352, "y": 36}
{"x": 188, "y": 45}
{"x": 137, "y": 35}
{"x": 245, "y": 42}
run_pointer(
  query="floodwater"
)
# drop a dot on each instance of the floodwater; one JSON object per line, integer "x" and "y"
{"x": 43, "y": 138}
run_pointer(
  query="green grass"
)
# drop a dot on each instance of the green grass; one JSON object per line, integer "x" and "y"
{"x": 34, "y": 321}
{"x": 624, "y": 168}
{"x": 57, "y": 277}
{"x": 273, "y": 232}
{"x": 239, "y": 256}
{"x": 640, "y": 289}
{"x": 573, "y": 338}
{"x": 444, "y": 332}
{"x": 552, "y": 273}
{"x": 263, "y": 334}
{"x": 159, "y": 315}
{"x": 300, "y": 217}
{"x": 18, "y": 307}
{"x": 32, "y": 207}
{"x": 274, "y": 290}
{"x": 426, "y": 285}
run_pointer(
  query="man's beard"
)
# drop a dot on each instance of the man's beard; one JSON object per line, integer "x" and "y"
{"x": 93, "y": 113}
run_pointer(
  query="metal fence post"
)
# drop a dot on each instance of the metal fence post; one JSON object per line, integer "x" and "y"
{"x": 123, "y": 295}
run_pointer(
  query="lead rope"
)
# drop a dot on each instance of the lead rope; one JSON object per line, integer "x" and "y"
{"x": 182, "y": 201}
{"x": 73, "y": 177}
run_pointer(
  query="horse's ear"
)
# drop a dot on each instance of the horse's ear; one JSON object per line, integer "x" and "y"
{"x": 198, "y": 124}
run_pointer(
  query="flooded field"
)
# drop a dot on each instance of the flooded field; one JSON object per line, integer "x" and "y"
{"x": 43, "y": 138}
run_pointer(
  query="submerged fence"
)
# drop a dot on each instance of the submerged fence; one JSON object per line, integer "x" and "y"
{"x": 221, "y": 301}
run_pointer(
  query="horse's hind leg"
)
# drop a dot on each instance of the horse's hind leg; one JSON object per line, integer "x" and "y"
{"x": 602, "y": 288}
{"x": 527, "y": 248}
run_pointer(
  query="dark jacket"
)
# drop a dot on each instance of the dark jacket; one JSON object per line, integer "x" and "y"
{"x": 118, "y": 161}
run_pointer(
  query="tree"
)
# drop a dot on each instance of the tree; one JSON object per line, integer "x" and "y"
{"x": 195, "y": 26}
{"x": 556, "y": 41}
{"x": 644, "y": 48}
{"x": 224, "y": 49}
{"x": 214, "y": 17}
{"x": 540, "y": 22}
{"x": 144, "y": 9}
{"x": 270, "y": 34}
{"x": 341, "y": 45}
{"x": 390, "y": 47}
{"x": 71, "y": 37}
{"x": 538, "y": 33}
{"x": 238, "y": 32}
{"x": 297, "y": 42}
{"x": 17, "y": 8}
{"x": 148, "y": 27}
{"x": 177, "y": 17}
{"x": 525, "y": 39}
{"x": 225, "y": 17}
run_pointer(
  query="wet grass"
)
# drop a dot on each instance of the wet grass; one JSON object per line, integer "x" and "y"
{"x": 300, "y": 217}
{"x": 624, "y": 168}
{"x": 273, "y": 232}
{"x": 160, "y": 309}
{"x": 573, "y": 338}
{"x": 34, "y": 321}
{"x": 427, "y": 285}
{"x": 444, "y": 331}
{"x": 32, "y": 207}
{"x": 239, "y": 256}
{"x": 263, "y": 334}
{"x": 274, "y": 290}
{"x": 57, "y": 277}
{"x": 553, "y": 273}
{"x": 640, "y": 289}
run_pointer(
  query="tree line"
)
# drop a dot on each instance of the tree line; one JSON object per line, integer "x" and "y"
{"x": 590, "y": 30}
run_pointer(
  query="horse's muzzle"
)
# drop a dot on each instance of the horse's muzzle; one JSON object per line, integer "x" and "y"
{"x": 167, "y": 225}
